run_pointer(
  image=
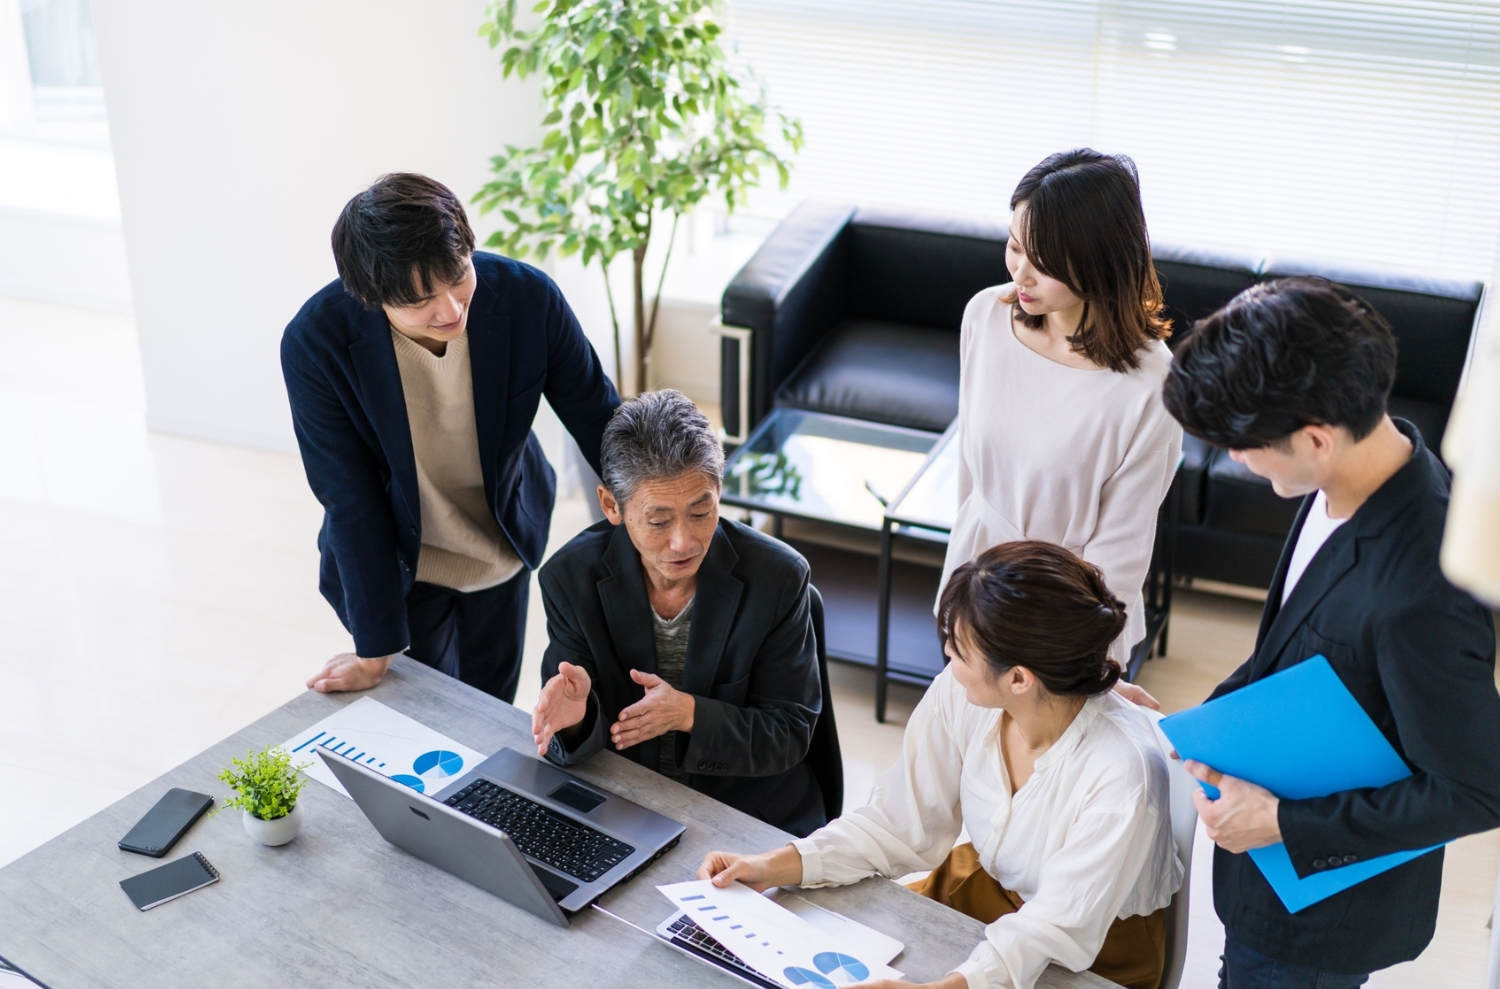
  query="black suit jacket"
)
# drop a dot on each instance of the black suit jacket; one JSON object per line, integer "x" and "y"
{"x": 350, "y": 416}
{"x": 1419, "y": 656}
{"x": 751, "y": 664}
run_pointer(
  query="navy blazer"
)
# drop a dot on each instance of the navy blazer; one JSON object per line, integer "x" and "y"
{"x": 1419, "y": 656}
{"x": 751, "y": 664}
{"x": 349, "y": 413}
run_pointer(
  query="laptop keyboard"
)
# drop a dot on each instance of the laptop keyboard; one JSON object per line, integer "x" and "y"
{"x": 695, "y": 938}
{"x": 541, "y": 832}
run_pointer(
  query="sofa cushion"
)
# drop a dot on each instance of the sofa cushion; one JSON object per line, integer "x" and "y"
{"x": 1192, "y": 478}
{"x": 1194, "y": 282}
{"x": 887, "y": 372}
{"x": 918, "y": 269}
{"x": 1430, "y": 418}
{"x": 1242, "y": 500}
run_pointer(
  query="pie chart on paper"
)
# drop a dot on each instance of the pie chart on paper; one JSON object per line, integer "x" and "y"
{"x": 437, "y": 765}
{"x": 840, "y": 968}
{"x": 833, "y": 969}
{"x": 807, "y": 977}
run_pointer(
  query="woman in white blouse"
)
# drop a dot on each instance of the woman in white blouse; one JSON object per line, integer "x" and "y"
{"x": 1059, "y": 781}
{"x": 1061, "y": 429}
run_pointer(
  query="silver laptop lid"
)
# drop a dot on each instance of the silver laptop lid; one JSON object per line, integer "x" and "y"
{"x": 454, "y": 842}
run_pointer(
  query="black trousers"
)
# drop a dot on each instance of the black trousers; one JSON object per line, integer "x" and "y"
{"x": 476, "y": 637}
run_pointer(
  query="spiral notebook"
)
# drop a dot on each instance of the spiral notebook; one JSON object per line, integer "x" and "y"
{"x": 168, "y": 882}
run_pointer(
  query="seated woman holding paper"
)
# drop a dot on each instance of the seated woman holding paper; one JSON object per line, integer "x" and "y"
{"x": 1060, "y": 782}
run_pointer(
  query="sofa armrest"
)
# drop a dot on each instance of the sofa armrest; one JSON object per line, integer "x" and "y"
{"x": 788, "y": 296}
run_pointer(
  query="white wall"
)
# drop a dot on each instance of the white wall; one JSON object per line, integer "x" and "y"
{"x": 239, "y": 131}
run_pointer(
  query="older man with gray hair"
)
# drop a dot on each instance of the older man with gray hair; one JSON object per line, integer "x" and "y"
{"x": 683, "y": 640}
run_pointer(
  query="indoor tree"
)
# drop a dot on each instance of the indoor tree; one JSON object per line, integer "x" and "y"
{"x": 646, "y": 118}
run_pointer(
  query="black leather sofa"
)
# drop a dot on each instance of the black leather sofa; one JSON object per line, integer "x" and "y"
{"x": 856, "y": 312}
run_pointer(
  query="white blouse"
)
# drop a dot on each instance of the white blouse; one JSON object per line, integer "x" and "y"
{"x": 1087, "y": 840}
{"x": 1081, "y": 458}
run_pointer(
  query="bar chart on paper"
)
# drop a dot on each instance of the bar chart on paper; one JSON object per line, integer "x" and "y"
{"x": 387, "y": 741}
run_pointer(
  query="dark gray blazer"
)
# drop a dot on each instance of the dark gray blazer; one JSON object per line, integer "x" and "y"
{"x": 1419, "y": 656}
{"x": 751, "y": 664}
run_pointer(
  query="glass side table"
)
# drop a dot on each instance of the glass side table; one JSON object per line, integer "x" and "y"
{"x": 843, "y": 472}
{"x": 823, "y": 468}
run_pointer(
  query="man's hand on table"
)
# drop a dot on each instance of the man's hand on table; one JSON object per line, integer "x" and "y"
{"x": 663, "y": 709}
{"x": 347, "y": 671}
{"x": 563, "y": 703}
{"x": 1244, "y": 816}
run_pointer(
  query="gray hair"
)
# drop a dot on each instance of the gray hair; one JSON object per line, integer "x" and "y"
{"x": 655, "y": 436}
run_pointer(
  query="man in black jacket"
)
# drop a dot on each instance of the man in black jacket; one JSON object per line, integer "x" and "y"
{"x": 1293, "y": 378}
{"x": 683, "y": 640}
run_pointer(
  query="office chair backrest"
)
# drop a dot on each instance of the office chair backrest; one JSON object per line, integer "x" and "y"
{"x": 1184, "y": 828}
{"x": 824, "y": 756}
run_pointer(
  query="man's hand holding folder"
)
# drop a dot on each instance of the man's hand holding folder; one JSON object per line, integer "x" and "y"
{"x": 1244, "y": 815}
{"x": 1302, "y": 734}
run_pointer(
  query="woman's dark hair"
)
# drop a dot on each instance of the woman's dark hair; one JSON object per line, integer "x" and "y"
{"x": 1085, "y": 228}
{"x": 1037, "y": 605}
{"x": 404, "y": 223}
{"x": 1282, "y": 355}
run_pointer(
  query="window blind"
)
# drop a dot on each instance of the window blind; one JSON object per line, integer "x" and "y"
{"x": 1351, "y": 131}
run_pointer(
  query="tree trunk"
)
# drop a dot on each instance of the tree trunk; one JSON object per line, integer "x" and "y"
{"x": 642, "y": 338}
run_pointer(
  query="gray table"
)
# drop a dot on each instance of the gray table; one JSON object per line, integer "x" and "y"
{"x": 341, "y": 907}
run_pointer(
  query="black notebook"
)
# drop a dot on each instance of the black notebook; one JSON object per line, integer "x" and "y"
{"x": 168, "y": 882}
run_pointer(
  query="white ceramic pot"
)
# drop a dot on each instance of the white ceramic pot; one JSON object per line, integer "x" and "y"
{"x": 277, "y": 832}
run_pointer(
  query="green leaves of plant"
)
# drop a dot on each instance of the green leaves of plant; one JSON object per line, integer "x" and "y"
{"x": 265, "y": 783}
{"x": 644, "y": 115}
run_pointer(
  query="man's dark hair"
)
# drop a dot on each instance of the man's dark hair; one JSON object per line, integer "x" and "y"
{"x": 1282, "y": 355}
{"x": 403, "y": 224}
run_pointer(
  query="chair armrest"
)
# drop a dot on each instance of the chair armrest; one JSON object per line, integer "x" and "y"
{"x": 788, "y": 295}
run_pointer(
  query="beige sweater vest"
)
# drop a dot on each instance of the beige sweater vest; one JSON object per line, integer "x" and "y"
{"x": 462, "y": 545}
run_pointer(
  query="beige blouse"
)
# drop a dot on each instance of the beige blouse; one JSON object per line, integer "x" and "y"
{"x": 1087, "y": 840}
{"x": 1081, "y": 458}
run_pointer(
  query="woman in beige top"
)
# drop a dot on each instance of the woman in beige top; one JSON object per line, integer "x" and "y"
{"x": 1061, "y": 429}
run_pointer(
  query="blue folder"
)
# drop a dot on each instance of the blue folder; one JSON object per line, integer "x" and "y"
{"x": 1298, "y": 733}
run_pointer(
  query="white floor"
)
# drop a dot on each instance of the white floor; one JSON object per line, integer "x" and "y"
{"x": 159, "y": 593}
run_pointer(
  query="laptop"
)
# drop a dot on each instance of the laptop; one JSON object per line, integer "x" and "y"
{"x": 517, "y": 827}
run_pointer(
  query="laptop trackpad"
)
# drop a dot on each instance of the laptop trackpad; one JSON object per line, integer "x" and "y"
{"x": 557, "y": 886}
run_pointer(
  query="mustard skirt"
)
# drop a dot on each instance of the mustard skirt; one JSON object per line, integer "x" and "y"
{"x": 1134, "y": 951}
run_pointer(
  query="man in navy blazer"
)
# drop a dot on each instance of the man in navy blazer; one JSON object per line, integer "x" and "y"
{"x": 1293, "y": 378}
{"x": 413, "y": 381}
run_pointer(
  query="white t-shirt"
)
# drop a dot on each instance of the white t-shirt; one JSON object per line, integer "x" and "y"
{"x": 1316, "y": 529}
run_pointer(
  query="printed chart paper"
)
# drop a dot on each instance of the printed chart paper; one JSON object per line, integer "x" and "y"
{"x": 866, "y": 942}
{"x": 387, "y": 741}
{"x": 773, "y": 940}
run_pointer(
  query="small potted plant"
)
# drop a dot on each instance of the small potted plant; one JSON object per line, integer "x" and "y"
{"x": 266, "y": 786}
